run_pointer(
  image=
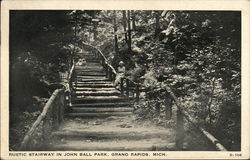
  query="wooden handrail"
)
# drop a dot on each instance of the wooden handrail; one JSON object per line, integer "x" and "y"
{"x": 105, "y": 59}
{"x": 40, "y": 118}
{"x": 71, "y": 76}
{"x": 70, "y": 83}
{"x": 71, "y": 71}
{"x": 208, "y": 135}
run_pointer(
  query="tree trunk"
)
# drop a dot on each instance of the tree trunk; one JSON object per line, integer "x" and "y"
{"x": 129, "y": 33}
{"x": 157, "y": 108}
{"x": 157, "y": 23}
{"x": 95, "y": 26}
{"x": 168, "y": 108}
{"x": 211, "y": 101}
{"x": 133, "y": 20}
{"x": 74, "y": 48}
{"x": 115, "y": 30}
{"x": 124, "y": 22}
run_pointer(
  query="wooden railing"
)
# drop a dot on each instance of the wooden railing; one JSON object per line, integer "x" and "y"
{"x": 71, "y": 80}
{"x": 128, "y": 88}
{"x": 52, "y": 115}
{"x": 181, "y": 114}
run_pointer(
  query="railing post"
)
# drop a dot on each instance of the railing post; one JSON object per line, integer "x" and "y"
{"x": 127, "y": 88}
{"x": 137, "y": 93}
{"x": 73, "y": 79}
{"x": 157, "y": 108}
{"x": 113, "y": 76}
{"x": 102, "y": 61}
{"x": 96, "y": 55}
{"x": 109, "y": 74}
{"x": 179, "y": 130}
{"x": 62, "y": 107}
{"x": 168, "y": 108}
{"x": 55, "y": 112}
{"x": 121, "y": 86}
{"x": 45, "y": 129}
{"x": 106, "y": 70}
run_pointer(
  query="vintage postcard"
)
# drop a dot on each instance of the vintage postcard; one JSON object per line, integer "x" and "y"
{"x": 125, "y": 79}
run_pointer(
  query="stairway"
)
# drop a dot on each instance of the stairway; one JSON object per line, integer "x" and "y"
{"x": 95, "y": 95}
{"x": 100, "y": 118}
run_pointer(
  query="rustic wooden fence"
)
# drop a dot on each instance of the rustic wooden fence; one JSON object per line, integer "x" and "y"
{"x": 71, "y": 81}
{"x": 52, "y": 115}
{"x": 180, "y": 132}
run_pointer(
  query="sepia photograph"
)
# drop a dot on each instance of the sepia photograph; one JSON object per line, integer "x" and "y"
{"x": 125, "y": 80}
{"x": 120, "y": 83}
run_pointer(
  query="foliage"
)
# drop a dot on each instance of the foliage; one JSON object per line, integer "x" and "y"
{"x": 197, "y": 54}
{"x": 40, "y": 41}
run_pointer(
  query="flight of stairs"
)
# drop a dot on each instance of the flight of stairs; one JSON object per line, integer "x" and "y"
{"x": 101, "y": 119}
{"x": 94, "y": 94}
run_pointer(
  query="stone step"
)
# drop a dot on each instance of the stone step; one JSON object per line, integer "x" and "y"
{"x": 99, "y": 109}
{"x": 136, "y": 134}
{"x": 93, "y": 61}
{"x": 93, "y": 64}
{"x": 109, "y": 133}
{"x": 94, "y": 89}
{"x": 121, "y": 104}
{"x": 98, "y": 99}
{"x": 84, "y": 54}
{"x": 89, "y": 70}
{"x": 93, "y": 82}
{"x": 98, "y": 93}
{"x": 94, "y": 85}
{"x": 156, "y": 144}
{"x": 89, "y": 66}
{"x": 102, "y": 114}
{"x": 91, "y": 77}
{"x": 91, "y": 74}
{"x": 89, "y": 56}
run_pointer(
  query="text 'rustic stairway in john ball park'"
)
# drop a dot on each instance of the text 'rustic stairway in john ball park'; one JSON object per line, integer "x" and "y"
{"x": 101, "y": 118}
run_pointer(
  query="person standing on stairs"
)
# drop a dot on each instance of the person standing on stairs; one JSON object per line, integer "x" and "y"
{"x": 120, "y": 74}
{"x": 79, "y": 62}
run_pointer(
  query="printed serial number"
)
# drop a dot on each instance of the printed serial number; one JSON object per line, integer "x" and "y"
{"x": 235, "y": 154}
